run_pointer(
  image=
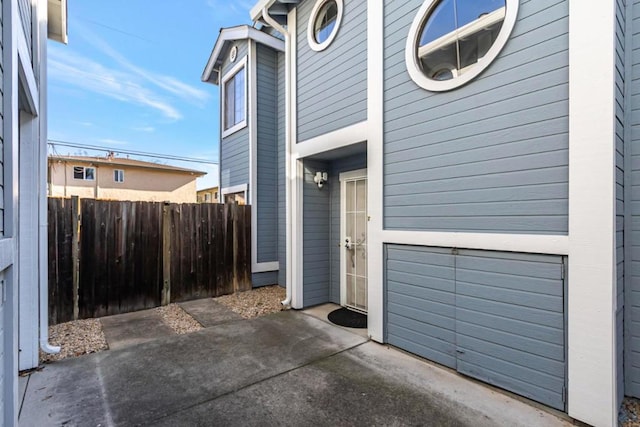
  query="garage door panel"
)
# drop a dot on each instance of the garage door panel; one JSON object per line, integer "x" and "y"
{"x": 424, "y": 314}
{"x": 548, "y": 303}
{"x": 526, "y": 329}
{"x": 423, "y": 293}
{"x": 525, "y": 265}
{"x": 550, "y": 351}
{"x": 438, "y": 257}
{"x": 507, "y": 310}
{"x": 513, "y": 370}
{"x": 523, "y": 388}
{"x": 425, "y": 327}
{"x": 510, "y": 311}
{"x": 420, "y": 281}
{"x": 528, "y": 361}
{"x": 506, "y": 281}
{"x": 423, "y": 345}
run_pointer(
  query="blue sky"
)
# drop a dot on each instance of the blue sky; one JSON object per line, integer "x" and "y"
{"x": 130, "y": 77}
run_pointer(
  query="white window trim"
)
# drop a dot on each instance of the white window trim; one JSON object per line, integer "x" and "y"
{"x": 84, "y": 173}
{"x": 114, "y": 176}
{"x": 230, "y": 74}
{"x": 311, "y": 38}
{"x": 411, "y": 58}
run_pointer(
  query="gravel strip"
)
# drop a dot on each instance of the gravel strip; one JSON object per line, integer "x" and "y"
{"x": 179, "y": 320}
{"x": 630, "y": 413}
{"x": 75, "y": 338}
{"x": 256, "y": 302}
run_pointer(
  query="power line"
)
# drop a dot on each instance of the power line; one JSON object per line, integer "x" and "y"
{"x": 54, "y": 143}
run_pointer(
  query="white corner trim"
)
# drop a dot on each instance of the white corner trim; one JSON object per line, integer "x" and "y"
{"x": 230, "y": 74}
{"x": 375, "y": 168}
{"x": 311, "y": 37}
{"x": 592, "y": 367}
{"x": 298, "y": 234}
{"x": 333, "y": 140}
{"x": 527, "y": 243}
{"x": 413, "y": 39}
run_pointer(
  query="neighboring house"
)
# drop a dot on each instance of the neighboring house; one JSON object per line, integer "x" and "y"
{"x": 114, "y": 178}
{"x": 459, "y": 174}
{"x": 208, "y": 195}
{"x": 24, "y": 29}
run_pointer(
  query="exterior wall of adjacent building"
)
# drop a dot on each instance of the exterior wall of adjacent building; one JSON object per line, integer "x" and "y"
{"x": 208, "y": 195}
{"x": 139, "y": 184}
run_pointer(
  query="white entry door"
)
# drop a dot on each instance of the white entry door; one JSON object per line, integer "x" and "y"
{"x": 353, "y": 230}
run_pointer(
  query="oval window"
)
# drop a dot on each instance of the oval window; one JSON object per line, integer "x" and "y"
{"x": 453, "y": 41}
{"x": 324, "y": 23}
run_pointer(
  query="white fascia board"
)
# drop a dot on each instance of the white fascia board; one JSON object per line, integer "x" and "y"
{"x": 26, "y": 74}
{"x": 256, "y": 11}
{"x": 243, "y": 32}
{"x": 57, "y": 21}
{"x": 592, "y": 367}
{"x": 333, "y": 140}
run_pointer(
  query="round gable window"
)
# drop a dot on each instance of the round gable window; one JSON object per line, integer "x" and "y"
{"x": 324, "y": 23}
{"x": 453, "y": 41}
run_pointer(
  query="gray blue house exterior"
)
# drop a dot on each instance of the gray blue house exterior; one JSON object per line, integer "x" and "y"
{"x": 462, "y": 181}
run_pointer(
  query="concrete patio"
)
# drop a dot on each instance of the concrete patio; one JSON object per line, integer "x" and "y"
{"x": 289, "y": 368}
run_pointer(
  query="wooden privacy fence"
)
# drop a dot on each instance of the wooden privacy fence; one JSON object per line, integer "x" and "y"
{"x": 111, "y": 257}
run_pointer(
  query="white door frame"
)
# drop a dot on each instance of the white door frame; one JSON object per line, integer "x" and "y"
{"x": 344, "y": 177}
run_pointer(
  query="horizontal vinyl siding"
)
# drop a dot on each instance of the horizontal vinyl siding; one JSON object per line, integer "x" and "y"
{"x": 632, "y": 290}
{"x": 316, "y": 226}
{"x": 264, "y": 279}
{"x": 491, "y": 156}
{"x": 24, "y": 7}
{"x": 267, "y": 183}
{"x": 359, "y": 161}
{"x": 234, "y": 156}
{"x": 282, "y": 174}
{"x": 620, "y": 205}
{"x": 332, "y": 84}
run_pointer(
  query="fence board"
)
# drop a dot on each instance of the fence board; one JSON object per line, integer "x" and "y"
{"x": 60, "y": 235}
{"x": 124, "y": 259}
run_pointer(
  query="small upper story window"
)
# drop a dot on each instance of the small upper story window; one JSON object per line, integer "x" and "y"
{"x": 453, "y": 41}
{"x": 118, "y": 175}
{"x": 234, "y": 95}
{"x": 324, "y": 23}
{"x": 85, "y": 173}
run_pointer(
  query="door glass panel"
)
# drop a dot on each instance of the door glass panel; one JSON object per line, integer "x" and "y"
{"x": 350, "y": 196}
{"x": 361, "y": 195}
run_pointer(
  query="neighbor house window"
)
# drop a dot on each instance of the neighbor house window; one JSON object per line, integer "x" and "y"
{"x": 118, "y": 175}
{"x": 324, "y": 23}
{"x": 86, "y": 173}
{"x": 453, "y": 41}
{"x": 234, "y": 95}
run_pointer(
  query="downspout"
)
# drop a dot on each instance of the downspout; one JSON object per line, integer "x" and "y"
{"x": 43, "y": 250}
{"x": 287, "y": 56}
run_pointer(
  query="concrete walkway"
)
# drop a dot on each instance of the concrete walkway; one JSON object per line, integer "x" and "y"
{"x": 287, "y": 368}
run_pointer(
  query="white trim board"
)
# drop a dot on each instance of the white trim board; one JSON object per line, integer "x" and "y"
{"x": 340, "y": 138}
{"x": 242, "y": 32}
{"x": 526, "y": 243}
{"x": 234, "y": 189}
{"x": 242, "y": 63}
{"x": 592, "y": 367}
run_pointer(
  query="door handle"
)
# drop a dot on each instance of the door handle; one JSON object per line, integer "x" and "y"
{"x": 348, "y": 244}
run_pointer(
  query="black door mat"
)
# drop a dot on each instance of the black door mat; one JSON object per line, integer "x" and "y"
{"x": 348, "y": 318}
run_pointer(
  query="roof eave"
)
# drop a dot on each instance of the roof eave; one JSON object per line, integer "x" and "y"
{"x": 211, "y": 72}
{"x": 57, "y": 28}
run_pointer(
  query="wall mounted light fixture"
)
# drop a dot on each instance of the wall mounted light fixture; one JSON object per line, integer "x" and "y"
{"x": 320, "y": 178}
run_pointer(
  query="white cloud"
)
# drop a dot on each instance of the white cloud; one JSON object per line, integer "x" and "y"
{"x": 145, "y": 129}
{"x": 109, "y": 141}
{"x": 89, "y": 75}
{"x": 168, "y": 83}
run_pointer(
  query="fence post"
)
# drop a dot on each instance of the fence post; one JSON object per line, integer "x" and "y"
{"x": 75, "y": 252}
{"x": 166, "y": 255}
{"x": 234, "y": 219}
